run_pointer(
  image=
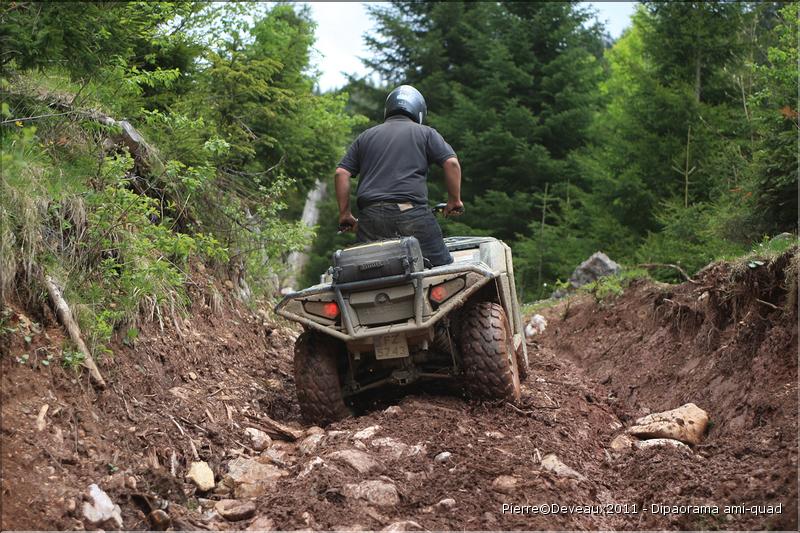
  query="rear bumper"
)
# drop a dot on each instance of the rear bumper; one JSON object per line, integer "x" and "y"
{"x": 478, "y": 276}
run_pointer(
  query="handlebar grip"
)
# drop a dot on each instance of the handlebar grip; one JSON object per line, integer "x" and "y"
{"x": 439, "y": 208}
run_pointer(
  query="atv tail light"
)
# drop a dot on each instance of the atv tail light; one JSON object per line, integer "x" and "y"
{"x": 324, "y": 309}
{"x": 443, "y": 291}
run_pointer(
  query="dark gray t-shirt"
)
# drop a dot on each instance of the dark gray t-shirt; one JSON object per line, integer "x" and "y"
{"x": 393, "y": 159}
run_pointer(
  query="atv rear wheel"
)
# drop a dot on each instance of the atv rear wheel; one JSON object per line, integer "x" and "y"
{"x": 487, "y": 352}
{"x": 316, "y": 378}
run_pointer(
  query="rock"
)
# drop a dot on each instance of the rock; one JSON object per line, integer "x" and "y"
{"x": 495, "y": 435}
{"x": 251, "y": 478}
{"x": 71, "y": 505}
{"x": 311, "y": 466}
{"x": 376, "y": 492}
{"x": 262, "y": 523}
{"x": 315, "y": 430}
{"x": 504, "y": 484}
{"x": 192, "y": 376}
{"x": 101, "y": 509}
{"x": 658, "y": 443}
{"x": 445, "y": 504}
{"x": 536, "y": 326}
{"x": 338, "y": 433}
{"x": 366, "y": 433}
{"x": 360, "y": 445}
{"x": 552, "y": 463}
{"x": 391, "y": 447}
{"x": 598, "y": 265}
{"x": 393, "y": 410}
{"x": 686, "y": 423}
{"x": 405, "y": 525}
{"x": 443, "y": 457}
{"x": 159, "y": 520}
{"x": 235, "y": 510}
{"x": 308, "y": 518}
{"x": 259, "y": 440}
{"x": 310, "y": 443}
{"x": 130, "y": 482}
{"x": 201, "y": 475}
{"x": 356, "y": 459}
{"x": 623, "y": 443}
{"x": 278, "y": 457}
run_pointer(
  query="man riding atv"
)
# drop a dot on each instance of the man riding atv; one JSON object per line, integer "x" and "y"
{"x": 392, "y": 160}
{"x": 405, "y": 304}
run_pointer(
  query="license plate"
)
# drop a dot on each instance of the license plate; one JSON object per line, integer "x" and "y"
{"x": 391, "y": 346}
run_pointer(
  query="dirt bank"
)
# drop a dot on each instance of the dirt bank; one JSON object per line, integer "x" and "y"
{"x": 597, "y": 367}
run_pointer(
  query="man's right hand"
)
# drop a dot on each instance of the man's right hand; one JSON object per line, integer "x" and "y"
{"x": 347, "y": 222}
{"x": 454, "y": 208}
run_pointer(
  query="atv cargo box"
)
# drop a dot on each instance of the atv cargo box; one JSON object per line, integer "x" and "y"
{"x": 377, "y": 260}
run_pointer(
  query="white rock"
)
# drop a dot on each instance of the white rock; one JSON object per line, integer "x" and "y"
{"x": 495, "y": 435}
{"x": 262, "y": 523}
{"x": 366, "y": 433}
{"x": 310, "y": 443}
{"x": 311, "y": 466}
{"x": 443, "y": 457}
{"x": 623, "y": 443}
{"x": 101, "y": 508}
{"x": 405, "y": 525}
{"x": 359, "y": 445}
{"x": 657, "y": 443}
{"x": 259, "y": 440}
{"x": 278, "y": 457}
{"x": 504, "y": 484}
{"x": 315, "y": 430}
{"x": 535, "y": 326}
{"x": 201, "y": 475}
{"x": 338, "y": 433}
{"x": 376, "y": 492}
{"x": 393, "y": 410}
{"x": 243, "y": 470}
{"x": 391, "y": 447}
{"x": 687, "y": 424}
{"x": 250, "y": 478}
{"x": 552, "y": 463}
{"x": 356, "y": 459}
{"x": 445, "y": 504}
{"x": 235, "y": 510}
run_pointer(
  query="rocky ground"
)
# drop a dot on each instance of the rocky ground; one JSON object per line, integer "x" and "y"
{"x": 218, "y": 392}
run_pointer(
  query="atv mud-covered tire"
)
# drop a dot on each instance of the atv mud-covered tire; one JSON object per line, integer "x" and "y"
{"x": 316, "y": 378}
{"x": 522, "y": 368}
{"x": 487, "y": 353}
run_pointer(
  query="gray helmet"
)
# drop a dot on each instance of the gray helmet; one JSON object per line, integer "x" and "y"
{"x": 406, "y": 100}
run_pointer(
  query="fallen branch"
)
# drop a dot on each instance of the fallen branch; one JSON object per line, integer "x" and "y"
{"x": 276, "y": 428}
{"x": 668, "y": 265}
{"x": 768, "y": 304}
{"x": 65, "y": 316}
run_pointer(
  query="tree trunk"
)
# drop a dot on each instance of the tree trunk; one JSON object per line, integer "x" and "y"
{"x": 698, "y": 65}
{"x": 65, "y": 316}
{"x": 298, "y": 260}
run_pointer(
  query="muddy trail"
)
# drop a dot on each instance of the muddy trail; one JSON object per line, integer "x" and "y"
{"x": 421, "y": 458}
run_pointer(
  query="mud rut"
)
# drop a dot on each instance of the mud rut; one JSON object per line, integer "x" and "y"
{"x": 595, "y": 369}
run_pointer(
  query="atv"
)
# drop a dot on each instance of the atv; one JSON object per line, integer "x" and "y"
{"x": 380, "y": 315}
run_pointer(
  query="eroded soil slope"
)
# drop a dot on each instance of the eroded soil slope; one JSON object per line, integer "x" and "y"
{"x": 176, "y": 397}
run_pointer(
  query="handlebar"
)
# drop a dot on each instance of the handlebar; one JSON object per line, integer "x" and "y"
{"x": 439, "y": 210}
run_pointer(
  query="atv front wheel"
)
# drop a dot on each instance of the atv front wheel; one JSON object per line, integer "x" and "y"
{"x": 316, "y": 378}
{"x": 487, "y": 352}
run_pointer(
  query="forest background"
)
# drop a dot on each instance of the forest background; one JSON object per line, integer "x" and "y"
{"x": 675, "y": 144}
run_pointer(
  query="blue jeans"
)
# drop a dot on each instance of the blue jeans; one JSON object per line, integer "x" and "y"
{"x": 385, "y": 220}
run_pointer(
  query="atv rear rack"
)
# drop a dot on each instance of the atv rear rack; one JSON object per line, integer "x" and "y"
{"x": 419, "y": 294}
